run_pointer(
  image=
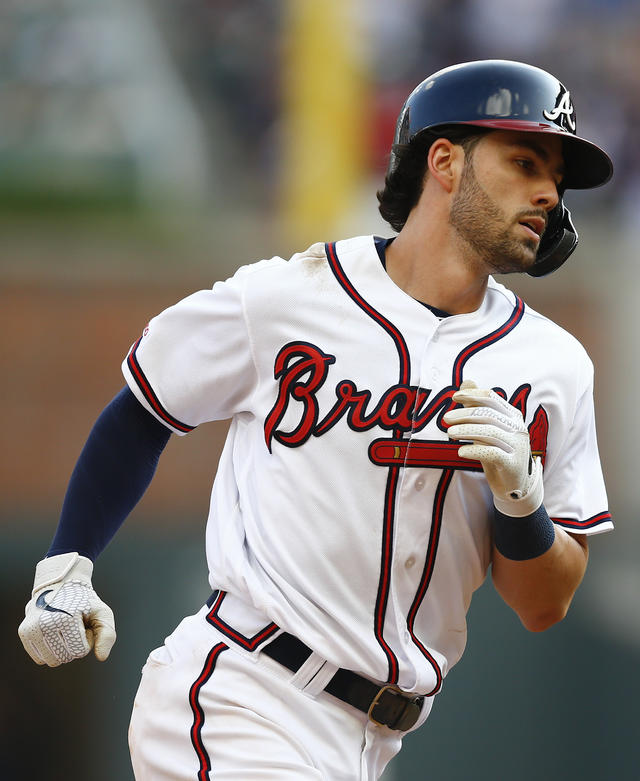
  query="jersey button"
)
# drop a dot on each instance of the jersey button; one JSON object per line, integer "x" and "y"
{"x": 410, "y": 562}
{"x": 420, "y": 484}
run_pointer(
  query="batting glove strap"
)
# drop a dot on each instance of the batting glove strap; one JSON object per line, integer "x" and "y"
{"x": 56, "y": 569}
{"x": 520, "y": 539}
{"x": 531, "y": 498}
{"x": 65, "y": 618}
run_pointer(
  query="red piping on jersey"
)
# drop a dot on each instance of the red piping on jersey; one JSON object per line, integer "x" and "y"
{"x": 445, "y": 481}
{"x": 403, "y": 352}
{"x": 595, "y": 520}
{"x": 385, "y": 572}
{"x": 485, "y": 341}
{"x": 148, "y": 393}
{"x": 392, "y": 479}
{"x": 250, "y": 643}
{"x": 434, "y": 536}
{"x": 198, "y": 714}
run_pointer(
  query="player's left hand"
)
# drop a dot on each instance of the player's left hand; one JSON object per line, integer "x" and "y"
{"x": 498, "y": 439}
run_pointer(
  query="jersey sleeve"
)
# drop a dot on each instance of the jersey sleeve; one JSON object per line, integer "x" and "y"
{"x": 575, "y": 494}
{"x": 193, "y": 362}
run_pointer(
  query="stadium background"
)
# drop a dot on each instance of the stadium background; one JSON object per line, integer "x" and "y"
{"x": 148, "y": 148}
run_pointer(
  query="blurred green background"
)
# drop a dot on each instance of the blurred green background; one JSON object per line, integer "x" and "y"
{"x": 148, "y": 148}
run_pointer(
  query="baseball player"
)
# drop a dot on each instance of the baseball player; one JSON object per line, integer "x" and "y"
{"x": 400, "y": 422}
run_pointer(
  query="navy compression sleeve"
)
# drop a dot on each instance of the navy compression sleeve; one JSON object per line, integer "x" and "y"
{"x": 114, "y": 470}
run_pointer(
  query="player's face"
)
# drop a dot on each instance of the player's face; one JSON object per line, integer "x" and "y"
{"x": 508, "y": 186}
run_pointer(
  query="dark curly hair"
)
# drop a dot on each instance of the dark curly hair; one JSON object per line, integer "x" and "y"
{"x": 403, "y": 187}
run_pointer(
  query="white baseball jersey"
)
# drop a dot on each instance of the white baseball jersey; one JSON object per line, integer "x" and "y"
{"x": 340, "y": 509}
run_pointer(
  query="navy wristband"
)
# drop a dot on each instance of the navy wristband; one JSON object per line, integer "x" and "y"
{"x": 525, "y": 538}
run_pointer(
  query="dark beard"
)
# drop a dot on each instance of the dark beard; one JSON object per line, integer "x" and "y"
{"x": 483, "y": 226}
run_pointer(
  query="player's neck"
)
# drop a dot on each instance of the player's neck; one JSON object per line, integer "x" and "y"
{"x": 429, "y": 266}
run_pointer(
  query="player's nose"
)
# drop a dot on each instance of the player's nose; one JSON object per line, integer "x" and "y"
{"x": 546, "y": 194}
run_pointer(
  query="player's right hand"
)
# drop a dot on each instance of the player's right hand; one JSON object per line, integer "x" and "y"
{"x": 494, "y": 432}
{"x": 65, "y": 618}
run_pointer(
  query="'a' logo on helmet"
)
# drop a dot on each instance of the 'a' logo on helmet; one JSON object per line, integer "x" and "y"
{"x": 563, "y": 114}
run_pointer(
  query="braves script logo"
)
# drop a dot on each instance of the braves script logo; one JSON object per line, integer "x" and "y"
{"x": 563, "y": 111}
{"x": 302, "y": 369}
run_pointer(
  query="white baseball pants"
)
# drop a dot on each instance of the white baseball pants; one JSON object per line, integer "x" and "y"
{"x": 207, "y": 710}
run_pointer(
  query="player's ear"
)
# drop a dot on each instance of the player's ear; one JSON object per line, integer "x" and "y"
{"x": 444, "y": 162}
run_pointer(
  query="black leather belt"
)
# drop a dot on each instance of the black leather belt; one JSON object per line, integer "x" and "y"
{"x": 386, "y": 705}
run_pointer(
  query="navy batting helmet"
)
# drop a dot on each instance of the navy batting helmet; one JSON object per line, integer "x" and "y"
{"x": 505, "y": 95}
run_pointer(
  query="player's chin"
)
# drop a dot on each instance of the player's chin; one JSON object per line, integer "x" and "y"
{"x": 529, "y": 255}
{"x": 517, "y": 259}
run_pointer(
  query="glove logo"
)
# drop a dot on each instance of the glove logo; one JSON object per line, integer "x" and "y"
{"x": 43, "y": 605}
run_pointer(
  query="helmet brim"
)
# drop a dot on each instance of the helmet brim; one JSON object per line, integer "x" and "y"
{"x": 586, "y": 164}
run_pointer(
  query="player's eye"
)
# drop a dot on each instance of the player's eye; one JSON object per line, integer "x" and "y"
{"x": 526, "y": 163}
{"x": 529, "y": 165}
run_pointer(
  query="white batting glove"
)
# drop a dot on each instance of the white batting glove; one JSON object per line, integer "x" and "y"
{"x": 65, "y": 618}
{"x": 500, "y": 441}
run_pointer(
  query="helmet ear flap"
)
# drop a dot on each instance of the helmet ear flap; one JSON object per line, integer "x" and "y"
{"x": 558, "y": 242}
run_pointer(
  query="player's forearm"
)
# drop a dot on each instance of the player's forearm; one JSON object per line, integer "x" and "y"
{"x": 541, "y": 589}
{"x": 113, "y": 471}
